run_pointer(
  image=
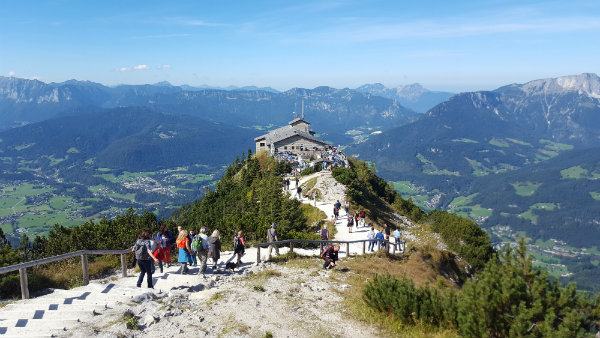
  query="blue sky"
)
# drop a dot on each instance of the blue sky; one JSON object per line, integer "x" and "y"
{"x": 444, "y": 45}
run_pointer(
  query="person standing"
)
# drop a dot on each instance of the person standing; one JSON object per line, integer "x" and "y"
{"x": 397, "y": 236}
{"x": 299, "y": 192}
{"x": 194, "y": 240}
{"x": 379, "y": 237}
{"x": 215, "y": 248}
{"x": 185, "y": 251}
{"x": 272, "y": 237}
{"x": 387, "y": 231}
{"x": 167, "y": 241}
{"x": 350, "y": 223}
{"x": 143, "y": 254}
{"x": 203, "y": 249}
{"x": 347, "y": 207}
{"x": 316, "y": 197}
{"x": 371, "y": 237}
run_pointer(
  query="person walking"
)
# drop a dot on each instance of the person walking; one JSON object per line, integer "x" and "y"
{"x": 299, "y": 192}
{"x": 350, "y": 223}
{"x": 324, "y": 233}
{"x": 215, "y": 248}
{"x": 371, "y": 237}
{"x": 159, "y": 252}
{"x": 238, "y": 248}
{"x": 347, "y": 207}
{"x": 185, "y": 251}
{"x": 272, "y": 237}
{"x": 330, "y": 255}
{"x": 143, "y": 254}
{"x": 203, "y": 249}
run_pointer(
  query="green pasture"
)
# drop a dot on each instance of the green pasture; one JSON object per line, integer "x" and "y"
{"x": 498, "y": 142}
{"x": 525, "y": 188}
{"x": 555, "y": 146}
{"x": 198, "y": 178}
{"x": 465, "y": 140}
{"x": 595, "y": 195}
{"x": 529, "y": 216}
{"x": 462, "y": 200}
{"x": 404, "y": 187}
{"x": 543, "y": 206}
{"x": 519, "y": 142}
{"x": 577, "y": 172}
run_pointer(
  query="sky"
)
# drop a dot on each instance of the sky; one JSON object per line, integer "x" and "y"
{"x": 444, "y": 45}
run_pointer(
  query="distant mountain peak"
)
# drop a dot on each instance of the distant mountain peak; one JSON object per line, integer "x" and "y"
{"x": 586, "y": 83}
{"x": 163, "y": 84}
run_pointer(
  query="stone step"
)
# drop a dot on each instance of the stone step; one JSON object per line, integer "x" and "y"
{"x": 79, "y": 312}
{"x": 23, "y": 326}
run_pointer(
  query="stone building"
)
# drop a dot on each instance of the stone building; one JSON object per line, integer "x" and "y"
{"x": 295, "y": 138}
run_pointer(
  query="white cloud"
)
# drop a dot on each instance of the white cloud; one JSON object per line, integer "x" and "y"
{"x": 124, "y": 69}
{"x": 141, "y": 67}
{"x": 11, "y": 74}
{"x": 164, "y": 67}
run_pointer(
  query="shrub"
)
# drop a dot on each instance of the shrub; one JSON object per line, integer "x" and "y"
{"x": 410, "y": 304}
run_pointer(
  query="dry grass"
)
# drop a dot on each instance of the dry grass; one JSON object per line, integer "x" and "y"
{"x": 68, "y": 274}
{"x": 422, "y": 265}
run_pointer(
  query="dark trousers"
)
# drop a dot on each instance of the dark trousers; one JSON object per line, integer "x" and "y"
{"x": 145, "y": 269}
{"x": 327, "y": 263}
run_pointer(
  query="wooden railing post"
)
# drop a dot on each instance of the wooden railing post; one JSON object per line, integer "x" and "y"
{"x": 395, "y": 245}
{"x": 364, "y": 244}
{"x": 257, "y": 255}
{"x": 84, "y": 267}
{"x": 320, "y": 247}
{"x": 291, "y": 246}
{"x": 347, "y": 249}
{"x": 24, "y": 285}
{"x": 387, "y": 247}
{"x": 124, "y": 265}
{"x": 378, "y": 245}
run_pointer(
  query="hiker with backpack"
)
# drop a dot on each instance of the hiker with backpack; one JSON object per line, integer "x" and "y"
{"x": 194, "y": 246}
{"x": 143, "y": 254}
{"x": 238, "y": 248}
{"x": 203, "y": 249}
{"x": 350, "y": 223}
{"x": 324, "y": 233}
{"x": 215, "y": 248}
{"x": 330, "y": 255}
{"x": 183, "y": 243}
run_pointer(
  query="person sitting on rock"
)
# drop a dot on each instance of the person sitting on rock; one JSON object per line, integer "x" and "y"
{"x": 330, "y": 255}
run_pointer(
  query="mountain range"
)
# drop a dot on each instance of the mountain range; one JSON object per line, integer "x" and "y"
{"x": 412, "y": 96}
{"x": 481, "y": 139}
{"x": 334, "y": 111}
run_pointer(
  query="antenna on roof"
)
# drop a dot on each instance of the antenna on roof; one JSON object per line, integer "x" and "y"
{"x": 303, "y": 109}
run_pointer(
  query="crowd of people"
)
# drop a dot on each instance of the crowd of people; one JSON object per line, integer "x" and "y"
{"x": 193, "y": 250}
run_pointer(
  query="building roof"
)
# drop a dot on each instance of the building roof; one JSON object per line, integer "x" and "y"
{"x": 286, "y": 132}
{"x": 298, "y": 119}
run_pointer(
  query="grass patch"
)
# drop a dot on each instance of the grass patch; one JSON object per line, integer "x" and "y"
{"x": 529, "y": 215}
{"x": 595, "y": 195}
{"x": 265, "y": 274}
{"x": 308, "y": 185}
{"x": 519, "y": 142}
{"x": 464, "y": 140}
{"x": 498, "y": 142}
{"x": 218, "y": 296}
{"x": 258, "y": 288}
{"x": 233, "y": 325}
{"x": 525, "y": 188}
{"x": 405, "y": 188}
{"x": 462, "y": 201}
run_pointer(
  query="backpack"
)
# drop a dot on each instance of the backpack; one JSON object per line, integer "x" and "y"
{"x": 153, "y": 245}
{"x": 236, "y": 242}
{"x": 205, "y": 243}
{"x": 195, "y": 243}
{"x": 324, "y": 233}
{"x": 141, "y": 251}
{"x": 324, "y": 254}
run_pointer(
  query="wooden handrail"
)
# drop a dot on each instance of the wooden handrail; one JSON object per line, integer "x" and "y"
{"x": 84, "y": 265}
{"x": 321, "y": 242}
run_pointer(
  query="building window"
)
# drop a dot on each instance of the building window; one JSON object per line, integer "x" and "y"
{"x": 262, "y": 144}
